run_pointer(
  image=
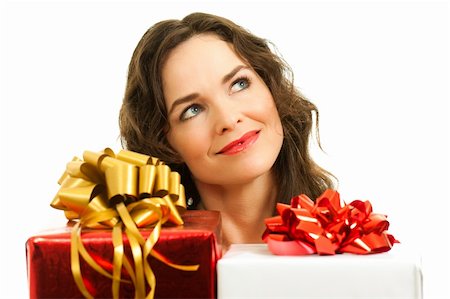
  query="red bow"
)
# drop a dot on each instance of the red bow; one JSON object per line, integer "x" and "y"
{"x": 327, "y": 226}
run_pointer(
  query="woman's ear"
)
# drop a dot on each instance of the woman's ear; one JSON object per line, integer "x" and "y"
{"x": 178, "y": 159}
{"x": 175, "y": 157}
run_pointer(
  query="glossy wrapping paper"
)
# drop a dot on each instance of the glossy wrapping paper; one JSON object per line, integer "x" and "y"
{"x": 253, "y": 271}
{"x": 195, "y": 242}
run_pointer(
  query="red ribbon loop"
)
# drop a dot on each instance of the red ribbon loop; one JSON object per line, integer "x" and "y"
{"x": 327, "y": 226}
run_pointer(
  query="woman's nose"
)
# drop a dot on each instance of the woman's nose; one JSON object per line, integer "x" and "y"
{"x": 227, "y": 116}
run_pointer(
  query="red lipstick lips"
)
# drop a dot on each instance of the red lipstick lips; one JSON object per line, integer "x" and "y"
{"x": 240, "y": 144}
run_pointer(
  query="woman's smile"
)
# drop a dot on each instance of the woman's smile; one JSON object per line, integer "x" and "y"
{"x": 241, "y": 144}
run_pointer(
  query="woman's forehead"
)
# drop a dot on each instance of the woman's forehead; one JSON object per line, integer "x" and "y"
{"x": 205, "y": 46}
{"x": 203, "y": 59}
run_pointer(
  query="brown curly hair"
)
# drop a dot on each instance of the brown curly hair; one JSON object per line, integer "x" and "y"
{"x": 143, "y": 116}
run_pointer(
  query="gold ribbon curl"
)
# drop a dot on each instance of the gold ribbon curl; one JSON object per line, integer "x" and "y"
{"x": 124, "y": 192}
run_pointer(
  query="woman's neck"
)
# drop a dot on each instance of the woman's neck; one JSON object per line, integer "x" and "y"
{"x": 243, "y": 207}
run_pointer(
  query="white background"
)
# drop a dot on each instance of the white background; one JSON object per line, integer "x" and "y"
{"x": 378, "y": 72}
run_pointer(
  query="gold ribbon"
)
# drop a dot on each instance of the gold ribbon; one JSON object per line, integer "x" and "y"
{"x": 124, "y": 192}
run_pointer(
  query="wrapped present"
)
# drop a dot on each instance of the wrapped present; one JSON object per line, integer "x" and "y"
{"x": 253, "y": 271}
{"x": 321, "y": 249}
{"x": 196, "y": 242}
{"x": 117, "y": 205}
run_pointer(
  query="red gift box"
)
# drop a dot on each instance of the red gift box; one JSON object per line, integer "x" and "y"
{"x": 195, "y": 242}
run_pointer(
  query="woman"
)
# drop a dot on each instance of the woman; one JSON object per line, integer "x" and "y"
{"x": 214, "y": 102}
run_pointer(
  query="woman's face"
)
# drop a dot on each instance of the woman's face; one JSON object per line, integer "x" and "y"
{"x": 223, "y": 120}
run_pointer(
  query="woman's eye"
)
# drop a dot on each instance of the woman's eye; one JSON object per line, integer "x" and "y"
{"x": 191, "y": 111}
{"x": 240, "y": 84}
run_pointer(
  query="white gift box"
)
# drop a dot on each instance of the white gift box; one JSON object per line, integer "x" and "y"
{"x": 252, "y": 271}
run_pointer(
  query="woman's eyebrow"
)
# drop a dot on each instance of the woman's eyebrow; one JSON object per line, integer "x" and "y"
{"x": 182, "y": 100}
{"x": 194, "y": 95}
{"x": 233, "y": 72}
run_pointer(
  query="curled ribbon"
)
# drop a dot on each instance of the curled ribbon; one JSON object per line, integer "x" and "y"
{"x": 124, "y": 192}
{"x": 327, "y": 227}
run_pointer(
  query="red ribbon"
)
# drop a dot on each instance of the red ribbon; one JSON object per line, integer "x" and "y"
{"x": 328, "y": 226}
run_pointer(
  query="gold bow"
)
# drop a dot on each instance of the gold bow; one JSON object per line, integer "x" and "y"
{"x": 128, "y": 190}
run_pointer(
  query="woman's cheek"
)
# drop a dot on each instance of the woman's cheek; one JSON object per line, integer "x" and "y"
{"x": 189, "y": 143}
{"x": 269, "y": 114}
